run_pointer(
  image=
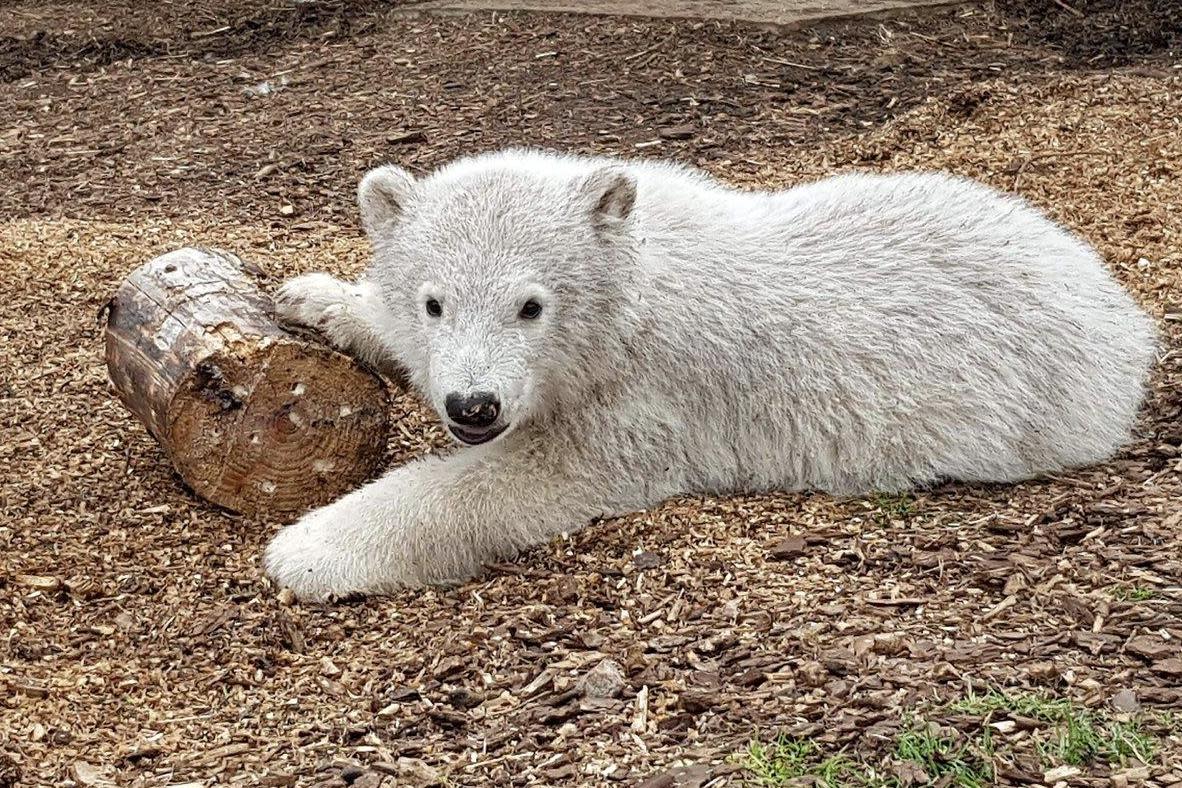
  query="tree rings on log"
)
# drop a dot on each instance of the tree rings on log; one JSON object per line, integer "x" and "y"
{"x": 253, "y": 418}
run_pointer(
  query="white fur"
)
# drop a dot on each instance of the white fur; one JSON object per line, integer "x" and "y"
{"x": 861, "y": 333}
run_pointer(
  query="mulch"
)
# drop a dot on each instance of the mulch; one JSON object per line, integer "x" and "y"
{"x": 140, "y": 644}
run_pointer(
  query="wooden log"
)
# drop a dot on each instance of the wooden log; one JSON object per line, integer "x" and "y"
{"x": 253, "y": 418}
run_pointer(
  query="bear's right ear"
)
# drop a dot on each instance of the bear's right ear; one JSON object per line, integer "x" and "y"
{"x": 383, "y": 195}
{"x": 608, "y": 195}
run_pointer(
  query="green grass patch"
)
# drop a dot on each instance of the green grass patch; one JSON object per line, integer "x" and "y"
{"x": 893, "y": 507}
{"x": 788, "y": 759}
{"x": 1077, "y": 736}
{"x": 1070, "y": 734}
{"x": 1132, "y": 593}
{"x": 969, "y": 765}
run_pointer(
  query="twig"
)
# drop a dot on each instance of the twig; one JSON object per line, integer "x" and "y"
{"x": 783, "y": 62}
{"x": 1055, "y": 155}
{"x": 900, "y": 602}
{"x": 653, "y": 48}
{"x": 1066, "y": 7}
{"x": 208, "y": 33}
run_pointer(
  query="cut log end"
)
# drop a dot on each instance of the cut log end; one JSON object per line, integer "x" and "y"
{"x": 272, "y": 428}
{"x": 254, "y": 419}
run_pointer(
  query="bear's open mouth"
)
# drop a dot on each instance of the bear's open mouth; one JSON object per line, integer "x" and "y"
{"x": 473, "y": 437}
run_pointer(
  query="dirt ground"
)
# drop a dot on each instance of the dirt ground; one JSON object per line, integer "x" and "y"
{"x": 782, "y": 13}
{"x": 138, "y": 643}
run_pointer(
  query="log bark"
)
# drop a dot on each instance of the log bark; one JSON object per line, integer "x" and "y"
{"x": 253, "y": 418}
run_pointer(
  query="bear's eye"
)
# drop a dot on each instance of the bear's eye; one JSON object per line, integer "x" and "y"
{"x": 530, "y": 310}
{"x": 434, "y": 308}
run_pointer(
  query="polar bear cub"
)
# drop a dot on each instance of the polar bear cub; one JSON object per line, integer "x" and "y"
{"x": 603, "y": 334}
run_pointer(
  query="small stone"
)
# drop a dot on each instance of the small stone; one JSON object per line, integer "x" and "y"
{"x": 287, "y": 209}
{"x": 1126, "y": 701}
{"x": 329, "y": 668}
{"x": 417, "y": 773}
{"x": 605, "y": 680}
{"x": 789, "y": 547}
{"x": 1004, "y": 726}
{"x": 646, "y": 560}
{"x": 1060, "y": 773}
{"x": 287, "y": 597}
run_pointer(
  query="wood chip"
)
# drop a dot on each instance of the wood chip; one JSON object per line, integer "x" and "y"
{"x": 92, "y": 776}
{"x": 1060, "y": 773}
{"x": 788, "y": 548}
{"x": 39, "y": 582}
{"x": 640, "y": 713}
{"x": 125, "y": 136}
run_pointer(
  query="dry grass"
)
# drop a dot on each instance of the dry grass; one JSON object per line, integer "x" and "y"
{"x": 145, "y": 648}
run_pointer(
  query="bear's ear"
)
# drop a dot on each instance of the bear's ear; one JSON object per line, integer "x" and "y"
{"x": 383, "y": 195}
{"x": 608, "y": 195}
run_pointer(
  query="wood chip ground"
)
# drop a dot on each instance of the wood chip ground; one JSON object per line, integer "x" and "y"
{"x": 139, "y": 645}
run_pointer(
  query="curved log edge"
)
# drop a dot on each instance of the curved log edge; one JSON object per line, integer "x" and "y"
{"x": 254, "y": 418}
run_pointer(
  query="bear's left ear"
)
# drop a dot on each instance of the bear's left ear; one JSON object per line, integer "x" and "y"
{"x": 608, "y": 195}
{"x": 383, "y": 195}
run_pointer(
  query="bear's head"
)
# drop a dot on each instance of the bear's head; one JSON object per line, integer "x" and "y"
{"x": 510, "y": 288}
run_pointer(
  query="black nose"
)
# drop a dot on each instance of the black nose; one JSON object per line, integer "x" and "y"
{"x": 479, "y": 409}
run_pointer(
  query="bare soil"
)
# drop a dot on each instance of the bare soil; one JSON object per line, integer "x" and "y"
{"x": 781, "y": 13}
{"x": 139, "y": 644}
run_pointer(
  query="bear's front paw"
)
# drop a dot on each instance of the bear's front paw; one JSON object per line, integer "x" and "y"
{"x": 323, "y": 557}
{"x": 314, "y": 300}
